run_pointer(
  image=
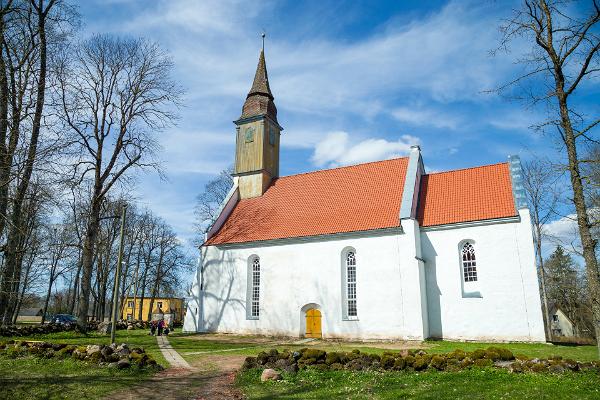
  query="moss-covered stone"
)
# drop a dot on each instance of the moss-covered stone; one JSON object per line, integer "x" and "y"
{"x": 409, "y": 359}
{"x": 313, "y": 354}
{"x": 483, "y": 362}
{"x": 332, "y": 358}
{"x": 387, "y": 361}
{"x": 438, "y": 362}
{"x": 262, "y": 358}
{"x": 400, "y": 363}
{"x": 539, "y": 367}
{"x": 477, "y": 354}
{"x": 420, "y": 363}
{"x": 249, "y": 363}
{"x": 336, "y": 367}
{"x": 492, "y": 355}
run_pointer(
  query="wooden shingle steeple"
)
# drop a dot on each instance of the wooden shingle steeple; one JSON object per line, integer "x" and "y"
{"x": 257, "y": 138}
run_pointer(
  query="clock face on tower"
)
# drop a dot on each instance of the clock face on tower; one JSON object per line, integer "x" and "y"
{"x": 249, "y": 134}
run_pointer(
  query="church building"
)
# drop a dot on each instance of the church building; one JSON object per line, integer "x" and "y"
{"x": 380, "y": 250}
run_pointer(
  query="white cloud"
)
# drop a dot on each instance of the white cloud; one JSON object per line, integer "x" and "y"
{"x": 336, "y": 149}
{"x": 425, "y": 117}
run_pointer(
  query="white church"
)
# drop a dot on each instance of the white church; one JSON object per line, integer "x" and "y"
{"x": 380, "y": 250}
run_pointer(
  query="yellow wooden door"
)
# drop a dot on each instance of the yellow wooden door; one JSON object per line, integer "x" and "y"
{"x": 313, "y": 323}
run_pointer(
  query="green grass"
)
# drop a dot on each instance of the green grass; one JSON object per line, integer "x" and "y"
{"x": 133, "y": 338}
{"x": 469, "y": 384}
{"x": 241, "y": 345}
{"x": 35, "y": 378}
{"x": 539, "y": 350}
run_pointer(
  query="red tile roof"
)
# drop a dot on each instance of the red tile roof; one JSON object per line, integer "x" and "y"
{"x": 465, "y": 195}
{"x": 355, "y": 198}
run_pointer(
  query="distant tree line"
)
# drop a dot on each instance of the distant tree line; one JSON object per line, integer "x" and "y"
{"x": 78, "y": 118}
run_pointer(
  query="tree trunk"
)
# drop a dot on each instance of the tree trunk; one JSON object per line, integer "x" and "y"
{"x": 87, "y": 258}
{"x": 538, "y": 248}
{"x": 13, "y": 269}
{"x": 587, "y": 241}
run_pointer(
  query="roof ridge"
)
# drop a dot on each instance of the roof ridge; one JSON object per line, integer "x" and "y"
{"x": 343, "y": 167}
{"x": 466, "y": 168}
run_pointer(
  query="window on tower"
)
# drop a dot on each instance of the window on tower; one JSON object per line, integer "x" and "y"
{"x": 249, "y": 134}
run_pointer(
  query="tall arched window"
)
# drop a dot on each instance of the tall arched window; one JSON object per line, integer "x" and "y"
{"x": 255, "y": 306}
{"x": 350, "y": 284}
{"x": 253, "y": 288}
{"x": 469, "y": 266}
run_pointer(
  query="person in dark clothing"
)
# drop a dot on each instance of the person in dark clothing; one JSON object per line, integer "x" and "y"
{"x": 161, "y": 326}
{"x": 152, "y": 327}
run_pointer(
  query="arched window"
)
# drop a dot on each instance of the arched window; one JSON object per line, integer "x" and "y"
{"x": 350, "y": 284}
{"x": 469, "y": 266}
{"x": 255, "y": 306}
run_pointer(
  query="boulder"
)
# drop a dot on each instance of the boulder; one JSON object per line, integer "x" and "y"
{"x": 270, "y": 375}
{"x": 93, "y": 348}
{"x": 106, "y": 351}
{"x": 123, "y": 363}
{"x": 104, "y": 328}
{"x": 281, "y": 364}
{"x": 293, "y": 368}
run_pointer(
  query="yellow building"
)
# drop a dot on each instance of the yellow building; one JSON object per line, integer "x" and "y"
{"x": 164, "y": 304}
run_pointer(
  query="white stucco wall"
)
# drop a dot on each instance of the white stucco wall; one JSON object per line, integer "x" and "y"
{"x": 509, "y": 304}
{"x": 409, "y": 286}
{"x": 294, "y": 275}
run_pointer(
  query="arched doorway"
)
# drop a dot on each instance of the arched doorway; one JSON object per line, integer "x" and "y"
{"x": 313, "y": 323}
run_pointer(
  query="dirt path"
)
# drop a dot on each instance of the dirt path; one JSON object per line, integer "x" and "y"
{"x": 211, "y": 378}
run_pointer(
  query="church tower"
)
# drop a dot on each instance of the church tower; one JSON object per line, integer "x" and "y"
{"x": 257, "y": 138}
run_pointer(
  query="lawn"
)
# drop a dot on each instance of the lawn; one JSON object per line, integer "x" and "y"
{"x": 469, "y": 384}
{"x": 69, "y": 379}
{"x": 35, "y": 378}
{"x": 244, "y": 345}
{"x": 136, "y": 338}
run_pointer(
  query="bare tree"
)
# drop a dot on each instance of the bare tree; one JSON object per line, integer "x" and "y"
{"x": 539, "y": 179}
{"x": 208, "y": 203}
{"x": 116, "y": 94}
{"x": 565, "y": 52}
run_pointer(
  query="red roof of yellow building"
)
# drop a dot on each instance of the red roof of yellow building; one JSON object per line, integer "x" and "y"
{"x": 466, "y": 195}
{"x": 366, "y": 197}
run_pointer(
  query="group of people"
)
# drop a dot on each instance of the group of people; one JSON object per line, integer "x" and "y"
{"x": 159, "y": 327}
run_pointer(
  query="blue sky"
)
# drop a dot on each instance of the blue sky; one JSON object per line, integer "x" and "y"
{"x": 353, "y": 82}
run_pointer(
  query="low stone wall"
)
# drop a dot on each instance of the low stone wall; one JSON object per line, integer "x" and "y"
{"x": 413, "y": 360}
{"x": 113, "y": 356}
{"x": 28, "y": 330}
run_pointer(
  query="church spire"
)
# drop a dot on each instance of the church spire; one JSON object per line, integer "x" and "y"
{"x": 259, "y": 101}
{"x": 260, "y": 85}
